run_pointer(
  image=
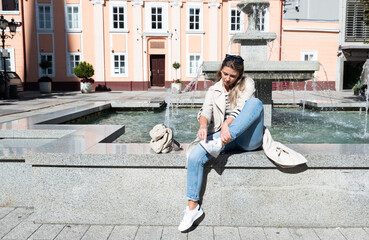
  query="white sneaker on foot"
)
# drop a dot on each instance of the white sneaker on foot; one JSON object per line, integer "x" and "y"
{"x": 190, "y": 217}
{"x": 213, "y": 147}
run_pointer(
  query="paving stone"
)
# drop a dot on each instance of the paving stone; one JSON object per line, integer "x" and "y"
{"x": 22, "y": 231}
{"x": 72, "y": 232}
{"x": 123, "y": 232}
{"x": 251, "y": 233}
{"x": 329, "y": 233}
{"x": 303, "y": 233}
{"x": 5, "y": 211}
{"x": 278, "y": 233}
{"x": 149, "y": 232}
{"x": 201, "y": 232}
{"x": 354, "y": 233}
{"x": 11, "y": 220}
{"x": 228, "y": 233}
{"x": 172, "y": 233}
{"x": 98, "y": 232}
{"x": 47, "y": 231}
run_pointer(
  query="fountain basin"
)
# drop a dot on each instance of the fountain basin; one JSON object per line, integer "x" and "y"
{"x": 77, "y": 178}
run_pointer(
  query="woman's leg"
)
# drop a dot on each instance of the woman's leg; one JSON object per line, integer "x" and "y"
{"x": 248, "y": 127}
{"x": 195, "y": 170}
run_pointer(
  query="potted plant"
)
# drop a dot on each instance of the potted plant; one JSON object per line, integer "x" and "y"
{"x": 85, "y": 71}
{"x": 359, "y": 89}
{"x": 176, "y": 84}
{"x": 45, "y": 81}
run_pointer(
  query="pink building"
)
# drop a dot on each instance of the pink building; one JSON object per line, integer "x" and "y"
{"x": 133, "y": 44}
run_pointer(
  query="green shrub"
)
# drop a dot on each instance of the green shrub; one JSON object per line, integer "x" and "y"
{"x": 84, "y": 70}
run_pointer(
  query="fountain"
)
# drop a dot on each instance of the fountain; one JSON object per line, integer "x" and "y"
{"x": 254, "y": 50}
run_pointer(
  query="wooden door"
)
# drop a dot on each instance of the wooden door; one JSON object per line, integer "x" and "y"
{"x": 157, "y": 69}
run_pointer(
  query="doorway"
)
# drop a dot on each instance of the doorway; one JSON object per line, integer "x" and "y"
{"x": 157, "y": 70}
{"x": 351, "y": 73}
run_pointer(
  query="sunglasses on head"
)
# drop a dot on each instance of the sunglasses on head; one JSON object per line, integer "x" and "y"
{"x": 235, "y": 58}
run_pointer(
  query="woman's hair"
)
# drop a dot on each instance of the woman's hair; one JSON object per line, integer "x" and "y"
{"x": 236, "y": 63}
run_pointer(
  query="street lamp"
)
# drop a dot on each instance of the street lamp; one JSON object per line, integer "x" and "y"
{"x": 12, "y": 28}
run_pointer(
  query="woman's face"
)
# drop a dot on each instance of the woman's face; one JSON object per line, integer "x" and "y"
{"x": 229, "y": 76}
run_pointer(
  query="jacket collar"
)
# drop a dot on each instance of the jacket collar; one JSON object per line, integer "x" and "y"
{"x": 218, "y": 86}
{"x": 219, "y": 96}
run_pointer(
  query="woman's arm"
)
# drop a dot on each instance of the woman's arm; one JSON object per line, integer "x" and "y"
{"x": 203, "y": 129}
{"x": 225, "y": 136}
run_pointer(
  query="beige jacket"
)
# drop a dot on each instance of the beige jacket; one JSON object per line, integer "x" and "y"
{"x": 214, "y": 104}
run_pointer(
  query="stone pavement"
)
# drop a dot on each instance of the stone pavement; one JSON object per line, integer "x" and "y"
{"x": 17, "y": 224}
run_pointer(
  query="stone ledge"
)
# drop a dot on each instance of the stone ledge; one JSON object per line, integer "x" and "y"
{"x": 140, "y": 155}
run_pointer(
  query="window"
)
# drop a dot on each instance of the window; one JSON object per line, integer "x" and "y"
{"x": 194, "y": 64}
{"x": 194, "y": 17}
{"x": 74, "y": 60}
{"x": 261, "y": 21}
{"x": 309, "y": 55}
{"x": 119, "y": 64}
{"x": 10, "y": 5}
{"x": 47, "y": 71}
{"x": 118, "y": 19}
{"x": 44, "y": 17}
{"x": 156, "y": 14}
{"x": 73, "y": 18}
{"x": 356, "y": 30}
{"x": 156, "y": 18}
{"x": 235, "y": 21}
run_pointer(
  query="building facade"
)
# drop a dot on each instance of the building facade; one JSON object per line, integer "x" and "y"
{"x": 133, "y": 44}
{"x": 353, "y": 49}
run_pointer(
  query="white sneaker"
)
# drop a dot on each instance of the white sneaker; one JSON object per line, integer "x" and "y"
{"x": 213, "y": 147}
{"x": 190, "y": 217}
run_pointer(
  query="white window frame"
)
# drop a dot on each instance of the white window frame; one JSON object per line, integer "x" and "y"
{"x": 38, "y": 16}
{"x": 201, "y": 17}
{"x": 230, "y": 20}
{"x": 266, "y": 20}
{"x": 113, "y": 74}
{"x": 314, "y": 53}
{"x": 303, "y": 53}
{"x": 118, "y": 4}
{"x": 164, "y": 6}
{"x": 188, "y": 70}
{"x": 11, "y": 59}
{"x": 40, "y": 73}
{"x": 70, "y": 72}
{"x": 79, "y": 28}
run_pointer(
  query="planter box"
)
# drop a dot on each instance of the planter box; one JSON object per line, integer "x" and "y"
{"x": 86, "y": 87}
{"x": 45, "y": 87}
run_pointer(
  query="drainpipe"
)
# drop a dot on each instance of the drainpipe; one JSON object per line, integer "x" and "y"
{"x": 280, "y": 33}
{"x": 24, "y": 47}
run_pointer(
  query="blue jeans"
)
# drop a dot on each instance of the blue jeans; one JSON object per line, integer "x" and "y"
{"x": 247, "y": 135}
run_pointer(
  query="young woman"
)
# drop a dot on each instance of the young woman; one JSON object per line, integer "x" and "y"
{"x": 230, "y": 118}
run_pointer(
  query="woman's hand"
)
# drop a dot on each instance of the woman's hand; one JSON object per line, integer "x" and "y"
{"x": 225, "y": 136}
{"x": 202, "y": 133}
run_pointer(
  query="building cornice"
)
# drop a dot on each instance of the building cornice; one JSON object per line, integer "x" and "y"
{"x": 176, "y": 4}
{"x": 94, "y": 2}
{"x": 137, "y": 3}
{"x": 299, "y": 29}
{"x": 213, "y": 4}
